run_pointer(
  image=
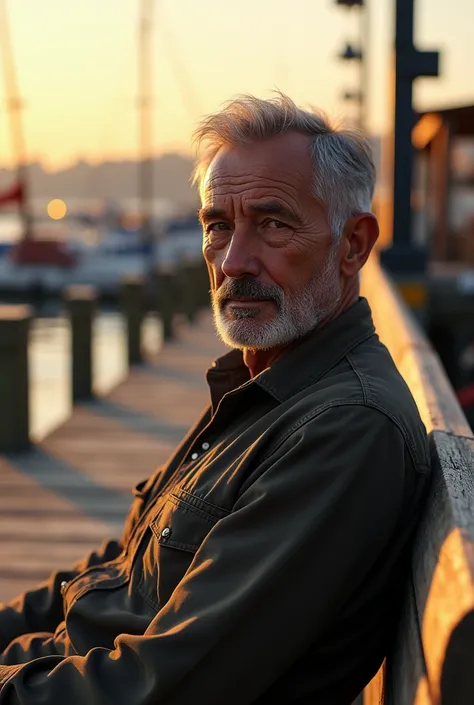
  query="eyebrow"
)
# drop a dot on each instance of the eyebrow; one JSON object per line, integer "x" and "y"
{"x": 209, "y": 213}
{"x": 275, "y": 208}
{"x": 270, "y": 208}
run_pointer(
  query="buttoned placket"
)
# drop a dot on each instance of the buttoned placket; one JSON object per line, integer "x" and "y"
{"x": 204, "y": 446}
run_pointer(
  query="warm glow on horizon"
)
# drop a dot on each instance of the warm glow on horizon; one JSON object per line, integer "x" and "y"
{"x": 204, "y": 54}
{"x": 57, "y": 209}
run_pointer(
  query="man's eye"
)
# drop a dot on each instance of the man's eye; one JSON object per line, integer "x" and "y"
{"x": 216, "y": 227}
{"x": 275, "y": 224}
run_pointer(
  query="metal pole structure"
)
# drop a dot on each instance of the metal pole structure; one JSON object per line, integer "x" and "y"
{"x": 145, "y": 82}
{"x": 364, "y": 66}
{"x": 15, "y": 106}
{"x": 359, "y": 54}
{"x": 404, "y": 256}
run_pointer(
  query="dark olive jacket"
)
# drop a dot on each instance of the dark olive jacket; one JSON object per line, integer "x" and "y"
{"x": 262, "y": 564}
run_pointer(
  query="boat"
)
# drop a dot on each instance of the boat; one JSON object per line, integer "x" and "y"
{"x": 46, "y": 258}
{"x": 46, "y": 265}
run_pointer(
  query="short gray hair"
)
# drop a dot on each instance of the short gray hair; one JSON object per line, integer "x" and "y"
{"x": 344, "y": 172}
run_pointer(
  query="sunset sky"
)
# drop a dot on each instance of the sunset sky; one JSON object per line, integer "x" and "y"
{"x": 77, "y": 65}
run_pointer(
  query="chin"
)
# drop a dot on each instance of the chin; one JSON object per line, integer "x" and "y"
{"x": 237, "y": 334}
{"x": 249, "y": 334}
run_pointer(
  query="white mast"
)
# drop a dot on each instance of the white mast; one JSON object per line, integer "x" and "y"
{"x": 145, "y": 83}
{"x": 15, "y": 106}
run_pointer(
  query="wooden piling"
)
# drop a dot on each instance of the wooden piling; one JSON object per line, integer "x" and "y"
{"x": 81, "y": 302}
{"x": 132, "y": 304}
{"x": 166, "y": 295}
{"x": 189, "y": 289}
{"x": 14, "y": 378}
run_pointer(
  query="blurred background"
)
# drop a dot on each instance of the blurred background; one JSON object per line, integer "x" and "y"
{"x": 98, "y": 102}
{"x": 87, "y": 93}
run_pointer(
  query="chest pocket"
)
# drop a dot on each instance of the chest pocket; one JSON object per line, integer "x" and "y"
{"x": 175, "y": 535}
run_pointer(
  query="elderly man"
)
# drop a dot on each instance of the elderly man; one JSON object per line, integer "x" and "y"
{"x": 263, "y": 562}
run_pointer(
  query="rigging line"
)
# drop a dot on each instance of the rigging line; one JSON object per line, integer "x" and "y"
{"x": 188, "y": 94}
{"x": 109, "y": 128}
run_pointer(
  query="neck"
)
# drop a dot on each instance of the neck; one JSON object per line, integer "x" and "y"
{"x": 259, "y": 360}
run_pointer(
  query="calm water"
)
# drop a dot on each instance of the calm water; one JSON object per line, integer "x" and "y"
{"x": 49, "y": 360}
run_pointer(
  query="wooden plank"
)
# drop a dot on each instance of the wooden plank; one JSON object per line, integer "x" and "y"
{"x": 443, "y": 564}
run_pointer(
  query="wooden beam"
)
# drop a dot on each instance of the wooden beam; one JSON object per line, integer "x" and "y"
{"x": 431, "y": 663}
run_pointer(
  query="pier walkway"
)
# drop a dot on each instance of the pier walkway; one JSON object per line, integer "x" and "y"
{"x": 64, "y": 496}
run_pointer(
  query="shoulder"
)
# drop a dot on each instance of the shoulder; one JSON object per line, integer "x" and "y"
{"x": 378, "y": 382}
{"x": 362, "y": 396}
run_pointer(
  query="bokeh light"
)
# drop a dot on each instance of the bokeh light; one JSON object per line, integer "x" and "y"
{"x": 57, "y": 209}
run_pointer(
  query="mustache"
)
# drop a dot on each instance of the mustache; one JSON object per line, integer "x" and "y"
{"x": 248, "y": 288}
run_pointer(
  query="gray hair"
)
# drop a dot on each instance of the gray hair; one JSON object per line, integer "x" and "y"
{"x": 344, "y": 172}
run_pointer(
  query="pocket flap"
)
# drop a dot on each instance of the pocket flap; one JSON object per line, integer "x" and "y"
{"x": 181, "y": 525}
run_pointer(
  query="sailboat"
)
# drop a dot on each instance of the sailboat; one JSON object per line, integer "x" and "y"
{"x": 38, "y": 264}
{"x": 29, "y": 251}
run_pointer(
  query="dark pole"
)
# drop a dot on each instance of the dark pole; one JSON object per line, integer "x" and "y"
{"x": 404, "y": 256}
{"x": 14, "y": 378}
{"x": 132, "y": 304}
{"x": 361, "y": 55}
{"x": 404, "y": 122}
{"x": 81, "y": 304}
{"x": 364, "y": 66}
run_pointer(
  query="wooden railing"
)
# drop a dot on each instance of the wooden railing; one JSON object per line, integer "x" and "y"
{"x": 432, "y": 662}
{"x": 182, "y": 291}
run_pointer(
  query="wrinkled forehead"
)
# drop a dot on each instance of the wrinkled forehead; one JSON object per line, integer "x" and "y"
{"x": 282, "y": 163}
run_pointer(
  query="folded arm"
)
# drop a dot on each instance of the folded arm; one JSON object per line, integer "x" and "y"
{"x": 41, "y": 609}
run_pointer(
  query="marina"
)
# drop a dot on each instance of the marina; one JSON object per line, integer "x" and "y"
{"x": 97, "y": 254}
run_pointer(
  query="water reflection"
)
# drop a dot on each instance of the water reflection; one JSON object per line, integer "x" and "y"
{"x": 50, "y": 365}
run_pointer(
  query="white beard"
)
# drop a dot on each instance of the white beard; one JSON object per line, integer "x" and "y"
{"x": 297, "y": 313}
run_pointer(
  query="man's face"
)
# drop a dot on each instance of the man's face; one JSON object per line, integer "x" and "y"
{"x": 273, "y": 266}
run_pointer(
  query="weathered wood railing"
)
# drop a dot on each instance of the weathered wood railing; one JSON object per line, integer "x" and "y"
{"x": 432, "y": 660}
{"x": 175, "y": 291}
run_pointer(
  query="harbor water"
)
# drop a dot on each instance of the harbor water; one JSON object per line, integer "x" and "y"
{"x": 50, "y": 364}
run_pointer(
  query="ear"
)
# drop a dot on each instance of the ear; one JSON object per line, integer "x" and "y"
{"x": 358, "y": 238}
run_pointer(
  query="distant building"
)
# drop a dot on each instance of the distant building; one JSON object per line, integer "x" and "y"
{"x": 443, "y": 188}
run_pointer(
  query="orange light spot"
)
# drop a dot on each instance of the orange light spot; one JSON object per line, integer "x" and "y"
{"x": 57, "y": 209}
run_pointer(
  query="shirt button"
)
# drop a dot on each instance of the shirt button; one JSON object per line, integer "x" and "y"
{"x": 194, "y": 456}
{"x": 166, "y": 532}
{"x": 63, "y": 586}
{"x": 205, "y": 446}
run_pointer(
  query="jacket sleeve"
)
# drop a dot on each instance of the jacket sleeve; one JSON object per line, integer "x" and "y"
{"x": 268, "y": 578}
{"x": 41, "y": 609}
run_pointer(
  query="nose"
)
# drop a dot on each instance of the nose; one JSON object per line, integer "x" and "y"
{"x": 242, "y": 257}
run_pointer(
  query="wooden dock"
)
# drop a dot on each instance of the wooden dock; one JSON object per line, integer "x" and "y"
{"x": 63, "y": 497}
